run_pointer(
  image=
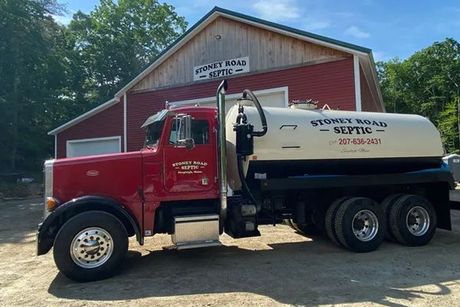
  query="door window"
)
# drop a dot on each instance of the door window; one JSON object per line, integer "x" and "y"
{"x": 200, "y": 132}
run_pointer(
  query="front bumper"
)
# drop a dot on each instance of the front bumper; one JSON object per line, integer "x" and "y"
{"x": 37, "y": 239}
{"x": 43, "y": 243}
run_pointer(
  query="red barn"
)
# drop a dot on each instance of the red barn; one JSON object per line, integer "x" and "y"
{"x": 278, "y": 63}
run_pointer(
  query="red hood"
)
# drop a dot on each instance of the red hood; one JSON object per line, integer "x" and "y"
{"x": 114, "y": 175}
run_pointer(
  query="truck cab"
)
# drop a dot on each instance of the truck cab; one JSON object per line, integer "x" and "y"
{"x": 173, "y": 175}
{"x": 188, "y": 158}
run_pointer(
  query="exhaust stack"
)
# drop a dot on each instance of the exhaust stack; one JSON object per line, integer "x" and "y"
{"x": 222, "y": 145}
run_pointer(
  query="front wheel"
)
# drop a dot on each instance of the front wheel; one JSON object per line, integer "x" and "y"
{"x": 90, "y": 246}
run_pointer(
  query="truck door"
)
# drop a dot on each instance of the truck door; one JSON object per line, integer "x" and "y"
{"x": 191, "y": 168}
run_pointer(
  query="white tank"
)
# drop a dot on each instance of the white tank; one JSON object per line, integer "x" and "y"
{"x": 299, "y": 134}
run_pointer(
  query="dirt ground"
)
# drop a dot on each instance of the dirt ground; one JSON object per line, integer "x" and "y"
{"x": 280, "y": 267}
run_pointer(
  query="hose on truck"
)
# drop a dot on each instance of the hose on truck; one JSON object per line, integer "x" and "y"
{"x": 244, "y": 186}
{"x": 240, "y": 158}
{"x": 263, "y": 119}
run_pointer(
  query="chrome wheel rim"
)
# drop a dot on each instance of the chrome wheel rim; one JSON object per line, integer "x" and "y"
{"x": 418, "y": 221}
{"x": 365, "y": 225}
{"x": 91, "y": 247}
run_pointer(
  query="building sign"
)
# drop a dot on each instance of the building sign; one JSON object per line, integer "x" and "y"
{"x": 221, "y": 69}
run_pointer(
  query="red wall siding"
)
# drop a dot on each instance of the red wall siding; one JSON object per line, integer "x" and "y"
{"x": 330, "y": 83}
{"x": 105, "y": 123}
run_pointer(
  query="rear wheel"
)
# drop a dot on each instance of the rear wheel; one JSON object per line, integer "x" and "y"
{"x": 386, "y": 205}
{"x": 329, "y": 220}
{"x": 413, "y": 220}
{"x": 289, "y": 223}
{"x": 306, "y": 229}
{"x": 360, "y": 224}
{"x": 90, "y": 246}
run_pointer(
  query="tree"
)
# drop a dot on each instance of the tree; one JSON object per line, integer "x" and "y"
{"x": 50, "y": 73}
{"x": 448, "y": 126}
{"x": 426, "y": 83}
{"x": 116, "y": 41}
{"x": 30, "y": 76}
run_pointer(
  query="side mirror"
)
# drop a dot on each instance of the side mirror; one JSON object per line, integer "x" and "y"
{"x": 189, "y": 143}
{"x": 184, "y": 131}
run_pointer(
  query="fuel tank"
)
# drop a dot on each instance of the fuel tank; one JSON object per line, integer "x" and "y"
{"x": 306, "y": 142}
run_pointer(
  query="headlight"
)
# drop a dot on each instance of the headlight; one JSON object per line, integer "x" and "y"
{"x": 51, "y": 204}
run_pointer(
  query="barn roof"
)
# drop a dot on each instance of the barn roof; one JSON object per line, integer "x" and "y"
{"x": 84, "y": 116}
{"x": 216, "y": 12}
{"x": 364, "y": 54}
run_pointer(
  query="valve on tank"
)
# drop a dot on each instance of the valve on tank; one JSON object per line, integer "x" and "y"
{"x": 242, "y": 210}
{"x": 244, "y": 131}
{"x": 244, "y": 134}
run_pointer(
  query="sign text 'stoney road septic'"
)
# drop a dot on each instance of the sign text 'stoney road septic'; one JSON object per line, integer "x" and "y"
{"x": 221, "y": 69}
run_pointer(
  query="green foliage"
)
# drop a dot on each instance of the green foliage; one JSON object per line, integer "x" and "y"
{"x": 30, "y": 78}
{"x": 50, "y": 73}
{"x": 427, "y": 83}
{"x": 116, "y": 41}
{"x": 448, "y": 126}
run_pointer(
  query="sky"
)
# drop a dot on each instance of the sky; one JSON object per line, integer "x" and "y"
{"x": 391, "y": 28}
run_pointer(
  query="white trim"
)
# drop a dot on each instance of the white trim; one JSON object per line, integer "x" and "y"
{"x": 211, "y": 18}
{"x": 84, "y": 116}
{"x": 263, "y": 92}
{"x": 286, "y": 96}
{"x": 106, "y": 138}
{"x": 55, "y": 146}
{"x": 125, "y": 124}
{"x": 356, "y": 74}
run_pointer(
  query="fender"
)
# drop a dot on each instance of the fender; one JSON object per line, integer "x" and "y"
{"x": 48, "y": 230}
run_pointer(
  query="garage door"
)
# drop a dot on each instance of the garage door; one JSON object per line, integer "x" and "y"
{"x": 270, "y": 99}
{"x": 275, "y": 97}
{"x": 96, "y": 146}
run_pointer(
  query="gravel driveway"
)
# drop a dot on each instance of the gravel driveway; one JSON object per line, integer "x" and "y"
{"x": 280, "y": 267}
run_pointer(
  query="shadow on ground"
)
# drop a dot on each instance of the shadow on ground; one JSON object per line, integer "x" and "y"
{"x": 313, "y": 272}
{"x": 307, "y": 273}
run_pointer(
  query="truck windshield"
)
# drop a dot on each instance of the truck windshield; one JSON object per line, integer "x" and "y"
{"x": 153, "y": 133}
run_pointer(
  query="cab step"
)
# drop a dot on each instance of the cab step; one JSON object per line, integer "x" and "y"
{"x": 193, "y": 245}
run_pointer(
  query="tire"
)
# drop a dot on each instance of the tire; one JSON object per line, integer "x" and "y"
{"x": 386, "y": 205}
{"x": 101, "y": 257}
{"x": 360, "y": 224}
{"x": 289, "y": 223}
{"x": 413, "y": 220}
{"x": 304, "y": 229}
{"x": 329, "y": 220}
